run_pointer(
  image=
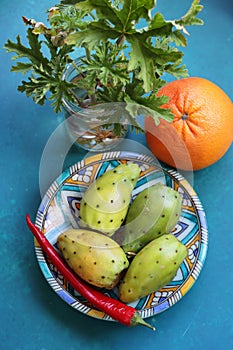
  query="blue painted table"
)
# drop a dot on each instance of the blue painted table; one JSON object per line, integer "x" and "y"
{"x": 32, "y": 316}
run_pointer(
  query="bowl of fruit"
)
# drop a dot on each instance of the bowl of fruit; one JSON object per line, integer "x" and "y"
{"x": 125, "y": 234}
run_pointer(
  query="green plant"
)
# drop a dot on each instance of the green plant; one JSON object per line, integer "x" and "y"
{"x": 124, "y": 61}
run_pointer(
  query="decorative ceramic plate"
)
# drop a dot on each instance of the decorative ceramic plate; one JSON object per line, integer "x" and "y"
{"x": 59, "y": 211}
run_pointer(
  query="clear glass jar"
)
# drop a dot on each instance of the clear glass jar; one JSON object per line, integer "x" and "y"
{"x": 97, "y": 127}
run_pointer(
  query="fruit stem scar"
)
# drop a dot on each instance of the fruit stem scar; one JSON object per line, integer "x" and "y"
{"x": 184, "y": 116}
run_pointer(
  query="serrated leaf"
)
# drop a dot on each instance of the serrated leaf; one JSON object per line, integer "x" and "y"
{"x": 123, "y": 18}
{"x": 158, "y": 26}
{"x": 140, "y": 58}
{"x": 147, "y": 104}
{"x": 145, "y": 56}
{"x": 111, "y": 94}
{"x": 109, "y": 75}
{"x": 177, "y": 70}
{"x": 21, "y": 67}
{"x": 33, "y": 53}
{"x": 134, "y": 10}
{"x": 150, "y": 106}
{"x": 34, "y": 88}
{"x": 157, "y": 21}
{"x": 190, "y": 17}
{"x": 67, "y": 19}
{"x": 163, "y": 113}
{"x": 103, "y": 8}
{"x": 178, "y": 38}
{"x": 90, "y": 37}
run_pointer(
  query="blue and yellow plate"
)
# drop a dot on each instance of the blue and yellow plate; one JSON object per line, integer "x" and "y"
{"x": 59, "y": 211}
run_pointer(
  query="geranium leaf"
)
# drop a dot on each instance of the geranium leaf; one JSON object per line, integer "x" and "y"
{"x": 190, "y": 18}
{"x": 90, "y": 37}
{"x": 32, "y": 53}
{"x": 151, "y": 51}
{"x": 139, "y": 57}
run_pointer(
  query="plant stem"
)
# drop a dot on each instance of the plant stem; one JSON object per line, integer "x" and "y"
{"x": 88, "y": 57}
{"x": 88, "y": 54}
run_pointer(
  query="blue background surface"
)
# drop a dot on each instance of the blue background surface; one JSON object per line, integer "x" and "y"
{"x": 32, "y": 316}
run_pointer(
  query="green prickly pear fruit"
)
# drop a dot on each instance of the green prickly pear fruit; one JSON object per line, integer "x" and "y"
{"x": 96, "y": 258}
{"x": 105, "y": 203}
{"x": 152, "y": 268}
{"x": 154, "y": 212}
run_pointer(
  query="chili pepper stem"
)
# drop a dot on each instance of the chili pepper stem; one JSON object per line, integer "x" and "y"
{"x": 137, "y": 320}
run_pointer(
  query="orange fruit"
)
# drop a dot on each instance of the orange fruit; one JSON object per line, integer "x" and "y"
{"x": 202, "y": 129}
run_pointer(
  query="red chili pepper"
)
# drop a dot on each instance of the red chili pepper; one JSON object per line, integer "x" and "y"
{"x": 122, "y": 313}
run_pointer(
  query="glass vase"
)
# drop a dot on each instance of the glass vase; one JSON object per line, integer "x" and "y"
{"x": 95, "y": 128}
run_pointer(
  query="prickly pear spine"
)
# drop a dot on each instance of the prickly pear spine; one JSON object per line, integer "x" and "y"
{"x": 105, "y": 203}
{"x": 152, "y": 268}
{"x": 96, "y": 258}
{"x": 154, "y": 212}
